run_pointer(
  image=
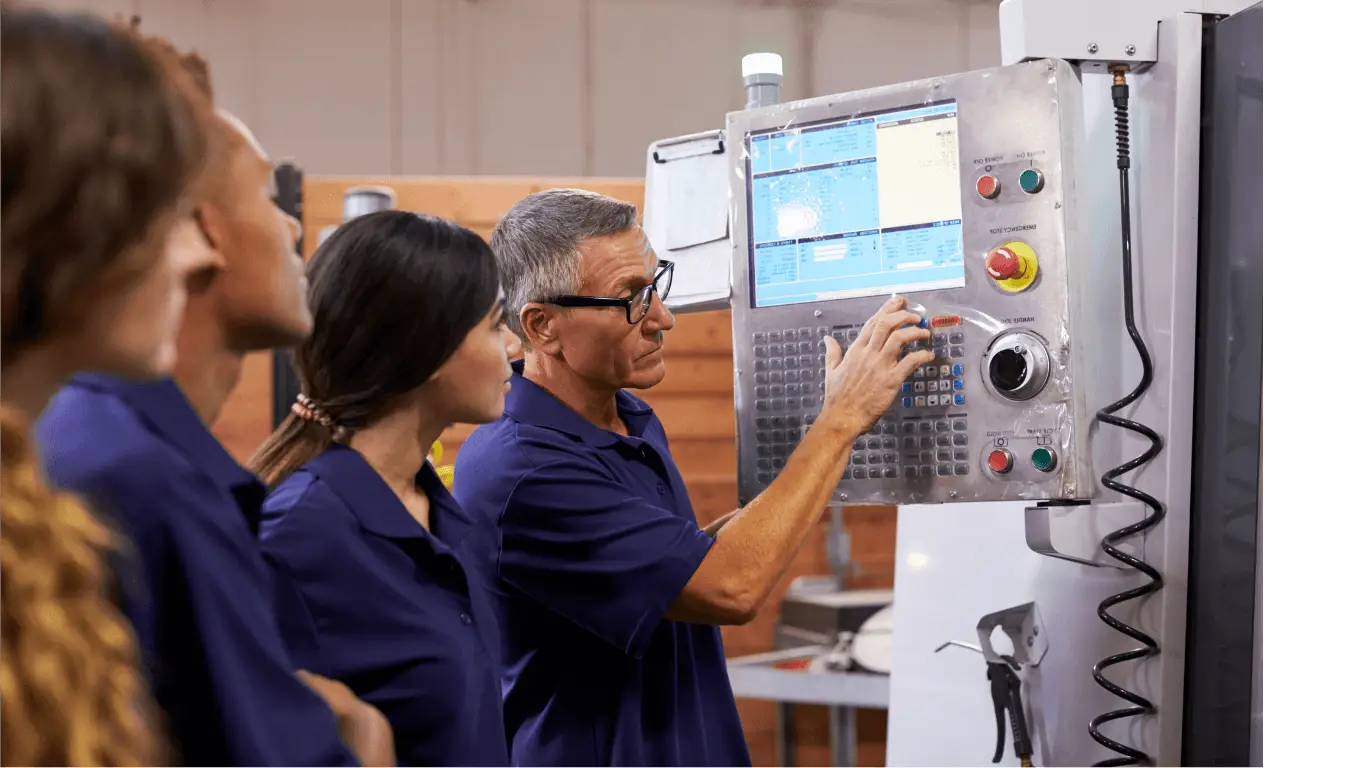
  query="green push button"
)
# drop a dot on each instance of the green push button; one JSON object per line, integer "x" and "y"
{"x": 1044, "y": 459}
{"x": 1031, "y": 181}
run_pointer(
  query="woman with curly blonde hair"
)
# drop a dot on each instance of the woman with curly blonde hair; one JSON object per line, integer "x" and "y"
{"x": 99, "y": 149}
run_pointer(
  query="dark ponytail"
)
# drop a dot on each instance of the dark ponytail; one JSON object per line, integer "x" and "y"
{"x": 393, "y": 295}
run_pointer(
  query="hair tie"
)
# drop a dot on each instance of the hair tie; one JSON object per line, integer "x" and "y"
{"x": 307, "y": 409}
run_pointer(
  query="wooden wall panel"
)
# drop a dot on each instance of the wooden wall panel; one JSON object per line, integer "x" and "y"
{"x": 695, "y": 402}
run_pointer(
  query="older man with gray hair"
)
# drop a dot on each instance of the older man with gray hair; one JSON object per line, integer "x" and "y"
{"x": 609, "y": 593}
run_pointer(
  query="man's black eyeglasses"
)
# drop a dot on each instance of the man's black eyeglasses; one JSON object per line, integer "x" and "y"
{"x": 636, "y": 305}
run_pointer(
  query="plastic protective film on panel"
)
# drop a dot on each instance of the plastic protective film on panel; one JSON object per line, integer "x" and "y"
{"x": 957, "y": 193}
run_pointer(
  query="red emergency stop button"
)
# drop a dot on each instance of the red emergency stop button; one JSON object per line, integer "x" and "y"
{"x": 988, "y": 186}
{"x": 1005, "y": 264}
{"x": 1000, "y": 461}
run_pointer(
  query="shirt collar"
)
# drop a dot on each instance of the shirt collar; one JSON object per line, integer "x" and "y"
{"x": 164, "y": 407}
{"x": 374, "y": 503}
{"x": 528, "y": 403}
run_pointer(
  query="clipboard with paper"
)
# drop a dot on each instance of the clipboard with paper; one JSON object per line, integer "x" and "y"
{"x": 687, "y": 217}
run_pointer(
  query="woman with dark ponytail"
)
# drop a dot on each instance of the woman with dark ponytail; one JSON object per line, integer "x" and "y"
{"x": 377, "y": 587}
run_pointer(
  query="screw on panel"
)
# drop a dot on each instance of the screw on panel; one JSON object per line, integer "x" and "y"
{"x": 844, "y": 497}
{"x": 818, "y": 313}
{"x": 1092, "y": 48}
{"x": 1129, "y": 49}
{"x": 953, "y": 494}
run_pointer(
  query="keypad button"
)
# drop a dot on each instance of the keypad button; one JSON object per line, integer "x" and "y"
{"x": 874, "y": 458}
{"x": 761, "y": 365}
{"x": 793, "y": 421}
{"x": 760, "y": 352}
{"x": 859, "y": 459}
{"x": 791, "y": 376}
{"x": 960, "y": 454}
{"x": 760, "y": 338}
{"x": 792, "y": 403}
{"x": 958, "y": 385}
{"x": 926, "y": 441}
{"x": 804, "y": 333}
{"x": 761, "y": 378}
{"x": 889, "y": 442}
{"x": 926, "y": 457}
{"x": 919, "y": 373}
{"x": 847, "y": 473}
{"x": 889, "y": 458}
{"x": 933, "y": 386}
{"x": 941, "y": 353}
{"x": 905, "y": 387}
{"x": 822, "y": 332}
{"x": 775, "y": 390}
{"x": 943, "y": 441}
{"x": 808, "y": 388}
{"x": 909, "y": 442}
{"x": 860, "y": 473}
{"x": 920, "y": 385}
{"x": 942, "y": 426}
{"x": 840, "y": 335}
{"x": 791, "y": 364}
{"x": 960, "y": 425}
{"x": 931, "y": 372}
{"x": 761, "y": 392}
{"x": 775, "y": 350}
{"x": 946, "y": 371}
{"x": 790, "y": 348}
{"x": 889, "y": 472}
{"x": 809, "y": 419}
{"x": 779, "y": 462}
{"x": 960, "y": 469}
{"x": 808, "y": 375}
{"x": 805, "y": 347}
{"x": 944, "y": 454}
{"x": 805, "y": 361}
{"x": 765, "y": 478}
{"x": 959, "y": 400}
{"x": 795, "y": 389}
{"x": 960, "y": 439}
{"x": 926, "y": 470}
{"x": 957, "y": 369}
{"x": 775, "y": 336}
{"x": 874, "y": 473}
{"x": 790, "y": 334}
{"x": 920, "y": 401}
{"x": 945, "y": 470}
{"x": 908, "y": 471}
{"x": 761, "y": 422}
{"x": 956, "y": 338}
{"x": 925, "y": 426}
{"x": 932, "y": 400}
{"x": 761, "y": 405}
{"x": 765, "y": 464}
{"x": 941, "y": 340}
{"x": 762, "y": 436}
{"x": 860, "y": 444}
{"x": 764, "y": 451}
{"x": 808, "y": 401}
{"x": 956, "y": 352}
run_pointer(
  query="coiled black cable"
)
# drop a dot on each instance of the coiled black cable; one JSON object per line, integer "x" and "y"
{"x": 1140, "y": 706}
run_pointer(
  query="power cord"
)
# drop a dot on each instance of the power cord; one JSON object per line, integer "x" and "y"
{"x": 1119, "y": 92}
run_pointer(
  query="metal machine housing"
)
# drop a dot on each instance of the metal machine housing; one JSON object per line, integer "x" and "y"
{"x": 1010, "y": 119}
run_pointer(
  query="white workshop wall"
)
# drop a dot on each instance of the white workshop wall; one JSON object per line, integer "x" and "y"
{"x": 546, "y": 87}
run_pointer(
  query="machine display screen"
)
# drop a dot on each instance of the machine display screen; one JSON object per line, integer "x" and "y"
{"x": 856, "y": 206}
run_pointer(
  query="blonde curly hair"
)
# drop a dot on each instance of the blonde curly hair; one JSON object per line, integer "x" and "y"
{"x": 70, "y": 684}
{"x": 103, "y": 135}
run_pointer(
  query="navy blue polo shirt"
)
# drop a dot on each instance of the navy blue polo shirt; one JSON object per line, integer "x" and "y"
{"x": 596, "y": 539}
{"x": 202, "y": 605}
{"x": 372, "y": 599}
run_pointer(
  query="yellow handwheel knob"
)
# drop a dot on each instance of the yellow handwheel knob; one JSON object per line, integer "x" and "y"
{"x": 437, "y": 450}
{"x": 447, "y": 475}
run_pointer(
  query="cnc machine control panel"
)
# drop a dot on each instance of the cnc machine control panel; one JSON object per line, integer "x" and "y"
{"x": 959, "y": 194}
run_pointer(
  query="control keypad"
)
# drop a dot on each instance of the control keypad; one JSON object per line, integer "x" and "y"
{"x": 918, "y": 438}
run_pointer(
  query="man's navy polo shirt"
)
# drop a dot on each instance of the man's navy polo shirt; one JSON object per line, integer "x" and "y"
{"x": 370, "y": 598}
{"x": 596, "y": 539}
{"x": 202, "y": 600}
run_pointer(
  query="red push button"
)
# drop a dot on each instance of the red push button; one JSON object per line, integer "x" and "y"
{"x": 945, "y": 321}
{"x": 988, "y": 186}
{"x": 1000, "y": 461}
{"x": 1004, "y": 264}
